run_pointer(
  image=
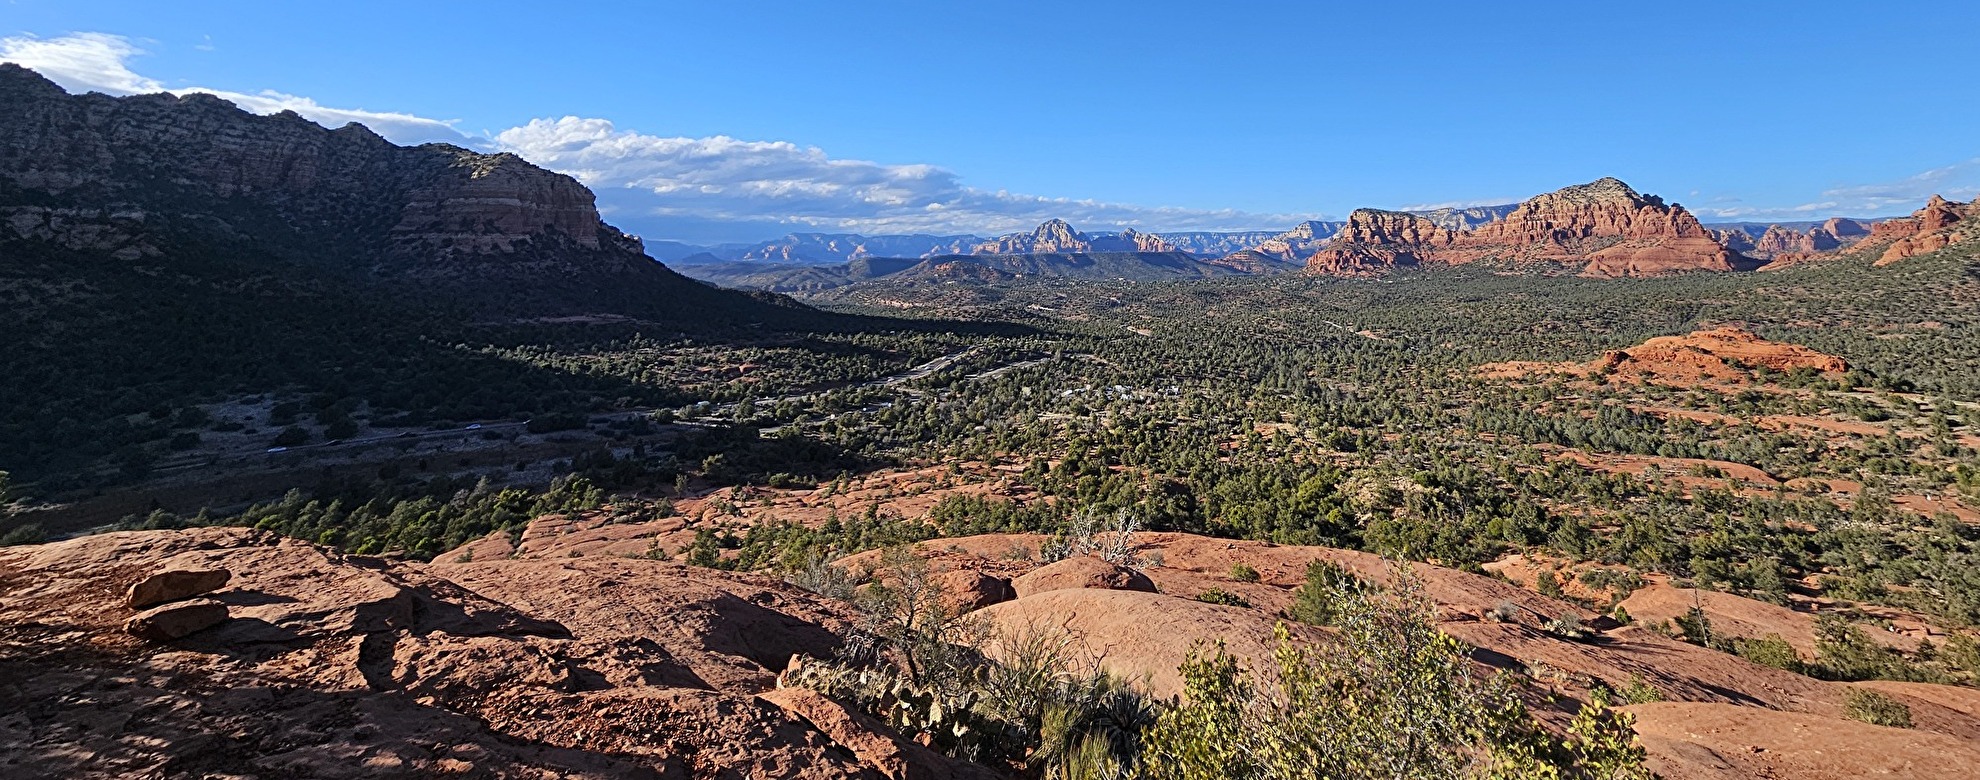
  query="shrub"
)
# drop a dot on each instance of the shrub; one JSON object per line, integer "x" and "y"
{"x": 290, "y": 437}
{"x": 1772, "y": 651}
{"x": 1318, "y": 600}
{"x": 1876, "y": 709}
{"x": 1221, "y": 596}
{"x": 819, "y": 576}
{"x": 1638, "y": 691}
{"x": 26, "y": 534}
{"x": 1391, "y": 697}
{"x": 1242, "y": 572}
{"x": 1036, "y": 706}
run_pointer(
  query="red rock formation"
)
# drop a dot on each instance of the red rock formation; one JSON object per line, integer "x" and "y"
{"x": 1940, "y": 224}
{"x": 1374, "y": 242}
{"x": 1616, "y": 230}
{"x": 1134, "y": 241}
{"x": 1604, "y": 225}
{"x": 1252, "y": 262}
{"x": 315, "y": 664}
{"x": 1845, "y": 230}
{"x": 1719, "y": 356}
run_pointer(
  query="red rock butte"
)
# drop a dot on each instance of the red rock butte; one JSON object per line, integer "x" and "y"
{"x": 1606, "y": 227}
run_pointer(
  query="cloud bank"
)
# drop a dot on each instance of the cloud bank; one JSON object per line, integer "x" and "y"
{"x": 660, "y": 180}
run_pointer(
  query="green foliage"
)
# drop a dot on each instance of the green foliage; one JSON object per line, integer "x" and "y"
{"x": 1771, "y": 651}
{"x": 1696, "y": 628}
{"x": 1029, "y": 702}
{"x": 1843, "y": 651}
{"x": 1639, "y": 691}
{"x": 29, "y": 533}
{"x": 1393, "y": 697}
{"x": 1221, "y": 596}
{"x": 421, "y": 520}
{"x": 1876, "y": 709}
{"x": 1243, "y": 572}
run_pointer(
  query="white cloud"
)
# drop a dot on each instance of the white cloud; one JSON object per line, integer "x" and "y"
{"x": 1958, "y": 181}
{"x": 652, "y": 182}
{"x": 99, "y": 62}
{"x": 80, "y": 62}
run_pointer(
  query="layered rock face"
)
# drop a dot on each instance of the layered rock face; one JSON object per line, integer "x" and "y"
{"x": 1376, "y": 241}
{"x": 1606, "y": 227}
{"x": 1612, "y": 228}
{"x": 144, "y": 156}
{"x": 1940, "y": 224}
{"x": 1251, "y": 261}
{"x": 1736, "y": 240}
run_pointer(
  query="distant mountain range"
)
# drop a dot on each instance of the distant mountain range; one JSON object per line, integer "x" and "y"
{"x": 976, "y": 268}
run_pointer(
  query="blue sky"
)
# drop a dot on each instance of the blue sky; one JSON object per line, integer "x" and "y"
{"x": 715, "y": 121}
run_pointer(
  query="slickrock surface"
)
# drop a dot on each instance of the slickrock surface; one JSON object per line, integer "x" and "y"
{"x": 1721, "y": 355}
{"x": 330, "y": 665}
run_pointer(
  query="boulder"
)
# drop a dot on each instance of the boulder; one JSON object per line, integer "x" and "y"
{"x": 172, "y": 621}
{"x": 175, "y": 585}
{"x": 1082, "y": 572}
{"x": 965, "y": 590}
